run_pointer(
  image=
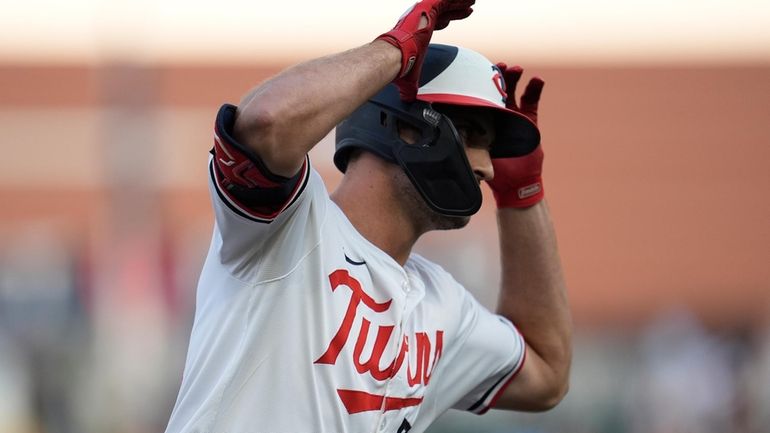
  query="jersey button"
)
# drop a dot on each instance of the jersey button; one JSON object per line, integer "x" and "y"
{"x": 405, "y": 285}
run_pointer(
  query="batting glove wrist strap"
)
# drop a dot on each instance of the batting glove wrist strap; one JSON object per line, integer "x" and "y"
{"x": 413, "y": 41}
{"x": 518, "y": 182}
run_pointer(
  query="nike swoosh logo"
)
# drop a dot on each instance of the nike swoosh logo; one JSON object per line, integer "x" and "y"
{"x": 360, "y": 401}
{"x": 353, "y": 262}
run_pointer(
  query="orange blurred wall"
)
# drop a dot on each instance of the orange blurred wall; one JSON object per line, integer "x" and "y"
{"x": 657, "y": 177}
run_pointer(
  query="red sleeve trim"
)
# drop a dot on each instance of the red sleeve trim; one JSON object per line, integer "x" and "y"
{"x": 500, "y": 392}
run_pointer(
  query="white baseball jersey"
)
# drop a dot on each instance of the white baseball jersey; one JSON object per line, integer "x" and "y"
{"x": 302, "y": 325}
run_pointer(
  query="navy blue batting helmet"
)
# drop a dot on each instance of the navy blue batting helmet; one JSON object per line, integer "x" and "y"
{"x": 436, "y": 164}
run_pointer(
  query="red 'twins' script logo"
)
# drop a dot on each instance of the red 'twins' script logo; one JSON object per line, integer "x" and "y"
{"x": 360, "y": 401}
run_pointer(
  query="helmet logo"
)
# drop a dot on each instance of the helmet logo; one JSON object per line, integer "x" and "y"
{"x": 497, "y": 78}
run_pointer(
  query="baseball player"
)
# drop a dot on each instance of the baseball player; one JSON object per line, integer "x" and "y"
{"x": 313, "y": 314}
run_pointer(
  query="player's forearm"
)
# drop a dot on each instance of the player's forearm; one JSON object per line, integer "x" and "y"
{"x": 533, "y": 293}
{"x": 283, "y": 118}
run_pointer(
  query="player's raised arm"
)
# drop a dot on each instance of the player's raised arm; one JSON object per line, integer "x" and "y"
{"x": 533, "y": 292}
{"x": 283, "y": 118}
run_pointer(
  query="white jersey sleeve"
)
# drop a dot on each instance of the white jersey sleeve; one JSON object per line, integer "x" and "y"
{"x": 257, "y": 212}
{"x": 492, "y": 353}
{"x": 242, "y": 240}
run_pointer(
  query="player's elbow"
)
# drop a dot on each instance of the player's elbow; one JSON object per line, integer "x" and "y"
{"x": 543, "y": 387}
{"x": 541, "y": 399}
{"x": 551, "y": 397}
{"x": 254, "y": 126}
{"x": 259, "y": 128}
{"x": 264, "y": 118}
{"x": 537, "y": 388}
{"x": 556, "y": 385}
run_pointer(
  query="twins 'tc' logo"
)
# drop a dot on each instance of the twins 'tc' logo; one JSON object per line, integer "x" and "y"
{"x": 499, "y": 81}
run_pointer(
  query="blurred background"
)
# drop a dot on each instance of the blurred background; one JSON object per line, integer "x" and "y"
{"x": 656, "y": 126}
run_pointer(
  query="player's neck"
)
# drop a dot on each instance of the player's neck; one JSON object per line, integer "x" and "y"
{"x": 366, "y": 197}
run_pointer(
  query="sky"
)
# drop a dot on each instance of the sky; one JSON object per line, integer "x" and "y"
{"x": 545, "y": 31}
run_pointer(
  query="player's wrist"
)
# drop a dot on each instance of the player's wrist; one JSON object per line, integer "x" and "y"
{"x": 522, "y": 194}
{"x": 412, "y": 34}
{"x": 391, "y": 56}
{"x": 518, "y": 181}
{"x": 409, "y": 49}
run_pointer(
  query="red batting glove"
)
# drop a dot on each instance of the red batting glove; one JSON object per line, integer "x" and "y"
{"x": 518, "y": 181}
{"x": 413, "y": 41}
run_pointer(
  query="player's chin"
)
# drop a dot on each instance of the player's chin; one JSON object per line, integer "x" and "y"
{"x": 446, "y": 222}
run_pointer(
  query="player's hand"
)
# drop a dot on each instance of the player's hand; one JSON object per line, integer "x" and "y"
{"x": 518, "y": 181}
{"x": 412, "y": 35}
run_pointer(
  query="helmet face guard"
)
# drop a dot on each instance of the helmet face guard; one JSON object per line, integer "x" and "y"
{"x": 436, "y": 163}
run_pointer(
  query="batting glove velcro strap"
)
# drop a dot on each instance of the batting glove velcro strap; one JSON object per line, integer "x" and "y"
{"x": 413, "y": 41}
